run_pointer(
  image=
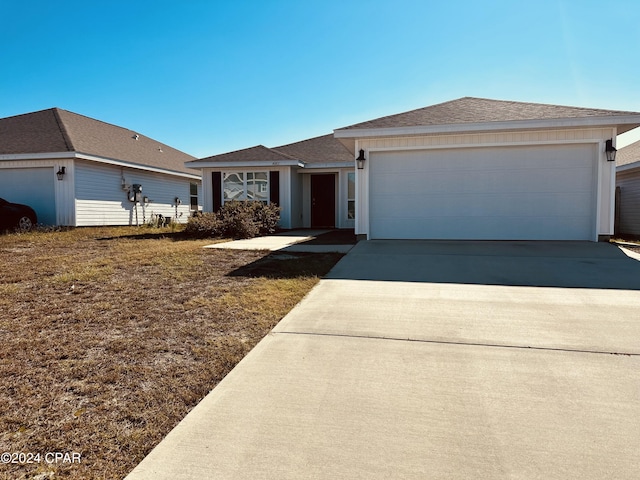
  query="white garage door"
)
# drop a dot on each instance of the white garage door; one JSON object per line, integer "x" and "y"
{"x": 506, "y": 193}
{"x": 33, "y": 187}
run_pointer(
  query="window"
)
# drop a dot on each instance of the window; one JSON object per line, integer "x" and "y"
{"x": 351, "y": 195}
{"x": 246, "y": 186}
{"x": 193, "y": 195}
{"x": 233, "y": 187}
{"x": 257, "y": 186}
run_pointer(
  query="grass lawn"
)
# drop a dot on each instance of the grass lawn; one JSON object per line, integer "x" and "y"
{"x": 109, "y": 336}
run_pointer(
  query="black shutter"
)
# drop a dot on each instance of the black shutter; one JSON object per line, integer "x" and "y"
{"x": 274, "y": 187}
{"x": 216, "y": 181}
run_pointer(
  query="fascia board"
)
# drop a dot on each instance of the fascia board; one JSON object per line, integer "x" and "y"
{"x": 311, "y": 166}
{"x": 628, "y": 166}
{"x": 266, "y": 164}
{"x": 629, "y": 120}
{"x": 92, "y": 158}
{"x": 36, "y": 156}
{"x": 120, "y": 163}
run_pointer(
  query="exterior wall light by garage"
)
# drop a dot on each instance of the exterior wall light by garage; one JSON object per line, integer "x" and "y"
{"x": 60, "y": 173}
{"x": 360, "y": 160}
{"x": 610, "y": 151}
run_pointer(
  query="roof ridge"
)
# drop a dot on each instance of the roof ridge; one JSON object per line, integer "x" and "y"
{"x": 63, "y": 130}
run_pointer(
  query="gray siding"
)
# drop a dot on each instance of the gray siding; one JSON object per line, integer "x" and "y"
{"x": 629, "y": 183}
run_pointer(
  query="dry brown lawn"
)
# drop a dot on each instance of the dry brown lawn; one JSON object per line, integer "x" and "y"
{"x": 109, "y": 336}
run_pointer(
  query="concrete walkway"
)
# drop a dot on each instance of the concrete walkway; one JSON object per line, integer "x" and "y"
{"x": 291, "y": 241}
{"x": 439, "y": 360}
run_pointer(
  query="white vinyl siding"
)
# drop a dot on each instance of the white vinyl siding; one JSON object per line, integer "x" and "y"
{"x": 629, "y": 183}
{"x": 497, "y": 193}
{"x": 102, "y": 200}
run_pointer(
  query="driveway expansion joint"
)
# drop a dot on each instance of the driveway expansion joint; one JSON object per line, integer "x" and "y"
{"x": 467, "y": 344}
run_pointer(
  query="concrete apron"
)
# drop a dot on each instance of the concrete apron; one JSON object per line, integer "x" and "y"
{"x": 458, "y": 369}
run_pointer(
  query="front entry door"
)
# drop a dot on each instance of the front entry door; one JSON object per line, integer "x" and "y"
{"x": 323, "y": 200}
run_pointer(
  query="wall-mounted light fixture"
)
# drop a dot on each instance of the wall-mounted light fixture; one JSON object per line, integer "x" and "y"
{"x": 610, "y": 151}
{"x": 360, "y": 160}
{"x": 60, "y": 173}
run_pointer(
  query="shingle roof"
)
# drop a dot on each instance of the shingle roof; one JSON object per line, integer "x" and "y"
{"x": 324, "y": 149}
{"x": 252, "y": 154}
{"x": 628, "y": 154}
{"x": 480, "y": 110}
{"x": 56, "y": 130}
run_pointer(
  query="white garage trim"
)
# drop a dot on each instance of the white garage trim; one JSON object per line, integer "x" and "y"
{"x": 541, "y": 192}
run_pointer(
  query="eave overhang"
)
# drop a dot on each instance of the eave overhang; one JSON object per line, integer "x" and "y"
{"x": 93, "y": 158}
{"x": 628, "y": 166}
{"x": 347, "y": 136}
{"x": 255, "y": 163}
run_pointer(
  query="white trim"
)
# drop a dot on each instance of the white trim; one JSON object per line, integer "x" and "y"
{"x": 364, "y": 225}
{"x": 257, "y": 163}
{"x": 488, "y": 144}
{"x": 315, "y": 166}
{"x": 599, "y": 159}
{"x": 284, "y": 163}
{"x": 598, "y": 121}
{"x": 612, "y": 189}
{"x": 37, "y": 156}
{"x": 93, "y": 158}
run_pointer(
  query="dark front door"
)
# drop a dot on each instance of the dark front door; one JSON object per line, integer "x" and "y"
{"x": 323, "y": 200}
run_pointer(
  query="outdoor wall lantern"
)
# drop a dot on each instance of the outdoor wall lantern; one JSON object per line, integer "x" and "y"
{"x": 60, "y": 173}
{"x": 360, "y": 160}
{"x": 610, "y": 151}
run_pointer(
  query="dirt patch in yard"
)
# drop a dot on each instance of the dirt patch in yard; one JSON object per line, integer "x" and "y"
{"x": 109, "y": 336}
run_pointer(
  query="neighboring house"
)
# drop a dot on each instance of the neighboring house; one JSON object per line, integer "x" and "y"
{"x": 470, "y": 168}
{"x": 628, "y": 190}
{"x": 77, "y": 171}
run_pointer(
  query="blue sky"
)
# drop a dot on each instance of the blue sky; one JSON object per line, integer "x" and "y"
{"x": 208, "y": 77}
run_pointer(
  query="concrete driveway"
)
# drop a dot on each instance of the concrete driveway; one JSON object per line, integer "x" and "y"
{"x": 435, "y": 360}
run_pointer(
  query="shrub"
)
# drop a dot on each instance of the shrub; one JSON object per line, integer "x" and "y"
{"x": 203, "y": 225}
{"x": 236, "y": 220}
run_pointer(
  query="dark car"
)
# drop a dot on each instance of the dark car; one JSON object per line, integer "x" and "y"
{"x": 16, "y": 215}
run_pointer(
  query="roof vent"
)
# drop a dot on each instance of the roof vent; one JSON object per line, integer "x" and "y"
{"x": 136, "y": 136}
{"x": 160, "y": 149}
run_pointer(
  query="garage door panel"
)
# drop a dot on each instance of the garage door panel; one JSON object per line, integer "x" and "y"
{"x": 474, "y": 228}
{"x": 33, "y": 187}
{"x": 485, "y": 205}
{"x": 498, "y": 193}
{"x": 514, "y": 180}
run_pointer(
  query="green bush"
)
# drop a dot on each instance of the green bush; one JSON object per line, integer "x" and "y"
{"x": 236, "y": 220}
